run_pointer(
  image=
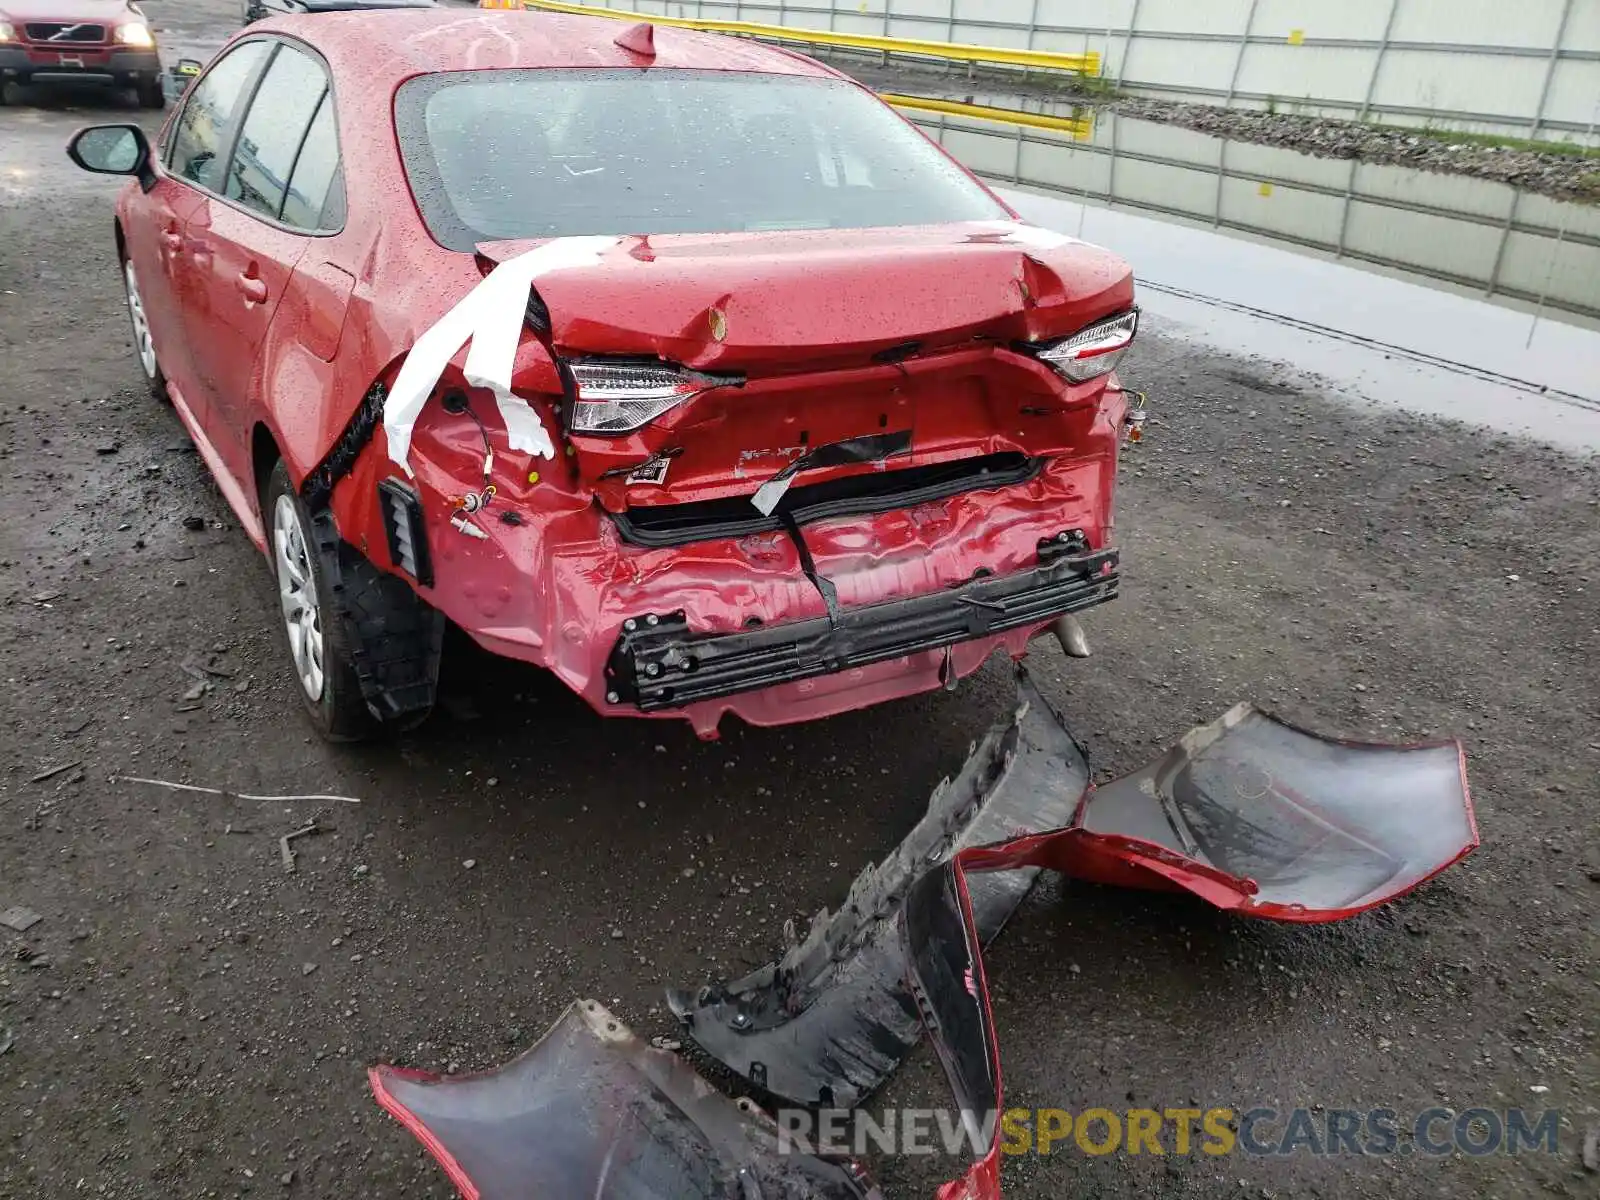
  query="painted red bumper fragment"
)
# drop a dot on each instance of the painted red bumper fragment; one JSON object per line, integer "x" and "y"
{"x": 593, "y": 1111}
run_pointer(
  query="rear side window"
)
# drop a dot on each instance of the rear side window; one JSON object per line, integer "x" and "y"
{"x": 544, "y": 153}
{"x": 315, "y": 199}
{"x": 289, "y": 96}
{"x": 201, "y": 131}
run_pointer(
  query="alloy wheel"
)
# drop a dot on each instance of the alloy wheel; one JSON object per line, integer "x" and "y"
{"x": 297, "y": 594}
{"x": 141, "y": 325}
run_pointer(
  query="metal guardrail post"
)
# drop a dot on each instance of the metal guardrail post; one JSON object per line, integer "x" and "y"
{"x": 1377, "y": 67}
{"x": 1222, "y": 178}
{"x": 1349, "y": 201}
{"x": 1111, "y": 169}
{"x": 1238, "y": 59}
{"x": 1550, "y": 69}
{"x": 1505, "y": 236}
{"x": 1549, "y": 278}
{"x": 1033, "y": 27}
{"x": 1127, "y": 43}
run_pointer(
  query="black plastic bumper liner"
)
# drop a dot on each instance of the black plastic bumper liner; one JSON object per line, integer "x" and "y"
{"x": 658, "y": 664}
{"x": 396, "y": 636}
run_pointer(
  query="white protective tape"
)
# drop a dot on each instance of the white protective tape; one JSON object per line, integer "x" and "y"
{"x": 769, "y": 493}
{"x": 490, "y": 317}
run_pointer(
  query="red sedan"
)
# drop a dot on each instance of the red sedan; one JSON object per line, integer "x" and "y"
{"x": 676, "y": 364}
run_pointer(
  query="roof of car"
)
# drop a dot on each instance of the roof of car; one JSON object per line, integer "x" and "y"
{"x": 399, "y": 42}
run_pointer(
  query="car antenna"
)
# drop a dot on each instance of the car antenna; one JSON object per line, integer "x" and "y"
{"x": 638, "y": 39}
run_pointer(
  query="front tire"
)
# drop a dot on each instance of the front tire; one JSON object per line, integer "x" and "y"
{"x": 152, "y": 94}
{"x": 144, "y": 347}
{"x": 314, "y": 634}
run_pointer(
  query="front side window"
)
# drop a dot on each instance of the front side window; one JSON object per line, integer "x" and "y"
{"x": 202, "y": 129}
{"x": 289, "y": 96}
{"x": 544, "y": 153}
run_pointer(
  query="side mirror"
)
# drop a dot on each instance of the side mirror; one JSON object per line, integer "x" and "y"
{"x": 113, "y": 150}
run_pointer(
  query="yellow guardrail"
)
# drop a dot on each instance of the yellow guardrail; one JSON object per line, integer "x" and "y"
{"x": 1041, "y": 60}
{"x": 1080, "y": 128}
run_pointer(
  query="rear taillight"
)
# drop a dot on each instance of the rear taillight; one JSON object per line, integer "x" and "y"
{"x": 1094, "y": 351}
{"x": 620, "y": 396}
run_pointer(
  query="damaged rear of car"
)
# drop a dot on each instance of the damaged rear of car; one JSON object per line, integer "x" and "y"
{"x": 834, "y": 430}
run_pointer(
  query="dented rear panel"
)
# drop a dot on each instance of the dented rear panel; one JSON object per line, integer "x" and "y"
{"x": 827, "y": 417}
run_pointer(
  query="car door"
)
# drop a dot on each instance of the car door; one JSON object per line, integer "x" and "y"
{"x": 250, "y": 246}
{"x": 166, "y": 270}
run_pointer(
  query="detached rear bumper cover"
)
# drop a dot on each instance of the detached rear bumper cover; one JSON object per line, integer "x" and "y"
{"x": 592, "y": 1111}
{"x": 1247, "y": 813}
{"x": 658, "y": 664}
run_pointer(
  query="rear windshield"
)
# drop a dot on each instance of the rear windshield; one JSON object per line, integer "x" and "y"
{"x": 547, "y": 153}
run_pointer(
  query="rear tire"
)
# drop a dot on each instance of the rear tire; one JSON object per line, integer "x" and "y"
{"x": 314, "y": 634}
{"x": 144, "y": 347}
{"x": 152, "y": 94}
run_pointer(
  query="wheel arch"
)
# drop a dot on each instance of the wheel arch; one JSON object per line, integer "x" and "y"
{"x": 264, "y": 455}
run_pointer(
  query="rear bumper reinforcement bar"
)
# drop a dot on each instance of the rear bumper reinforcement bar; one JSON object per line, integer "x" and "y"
{"x": 659, "y": 664}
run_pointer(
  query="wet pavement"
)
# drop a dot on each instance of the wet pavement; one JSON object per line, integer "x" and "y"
{"x": 1370, "y": 337}
{"x": 190, "y": 1019}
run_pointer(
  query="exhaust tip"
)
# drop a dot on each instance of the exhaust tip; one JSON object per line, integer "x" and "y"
{"x": 1069, "y": 632}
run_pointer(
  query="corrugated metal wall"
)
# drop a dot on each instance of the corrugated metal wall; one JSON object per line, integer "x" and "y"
{"x": 1480, "y": 236}
{"x": 1529, "y": 68}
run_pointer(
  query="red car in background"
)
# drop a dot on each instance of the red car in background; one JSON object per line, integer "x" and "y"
{"x": 81, "y": 42}
{"x": 679, "y": 365}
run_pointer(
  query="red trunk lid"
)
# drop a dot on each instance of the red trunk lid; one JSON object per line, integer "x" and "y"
{"x": 837, "y": 334}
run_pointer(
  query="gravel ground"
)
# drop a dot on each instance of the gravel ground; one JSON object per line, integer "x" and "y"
{"x": 191, "y": 1020}
{"x": 1563, "y": 176}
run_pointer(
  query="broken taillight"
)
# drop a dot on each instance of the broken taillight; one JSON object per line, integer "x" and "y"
{"x": 620, "y": 396}
{"x": 1094, "y": 351}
